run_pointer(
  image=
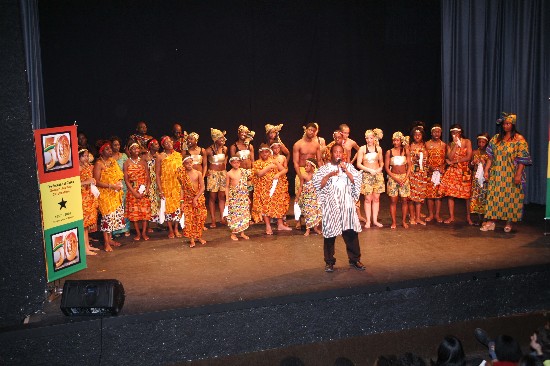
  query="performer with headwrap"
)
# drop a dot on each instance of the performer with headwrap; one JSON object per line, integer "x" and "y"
{"x": 192, "y": 201}
{"x": 273, "y": 134}
{"x": 166, "y": 167}
{"x": 435, "y": 163}
{"x": 397, "y": 163}
{"x": 371, "y": 161}
{"x": 138, "y": 206}
{"x": 457, "y": 180}
{"x": 108, "y": 178}
{"x": 216, "y": 174}
{"x": 238, "y": 200}
{"x": 508, "y": 156}
{"x": 196, "y": 152}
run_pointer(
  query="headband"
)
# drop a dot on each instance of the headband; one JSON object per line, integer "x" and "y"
{"x": 104, "y": 146}
{"x": 456, "y": 129}
{"x": 163, "y": 139}
{"x": 483, "y": 137}
{"x": 234, "y": 158}
{"x": 187, "y": 158}
{"x": 435, "y": 128}
{"x": 275, "y": 143}
{"x": 82, "y": 150}
{"x": 135, "y": 143}
{"x": 312, "y": 163}
{"x": 150, "y": 142}
{"x": 194, "y": 135}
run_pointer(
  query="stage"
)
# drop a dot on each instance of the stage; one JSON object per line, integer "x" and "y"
{"x": 270, "y": 292}
{"x": 163, "y": 274}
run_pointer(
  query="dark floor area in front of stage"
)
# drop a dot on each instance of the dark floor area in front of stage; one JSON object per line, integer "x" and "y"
{"x": 363, "y": 351}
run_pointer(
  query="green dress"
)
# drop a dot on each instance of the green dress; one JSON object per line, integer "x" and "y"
{"x": 504, "y": 198}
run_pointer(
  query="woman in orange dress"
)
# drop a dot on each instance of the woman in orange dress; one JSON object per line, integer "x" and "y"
{"x": 436, "y": 167}
{"x": 457, "y": 180}
{"x": 265, "y": 170}
{"x": 138, "y": 205}
{"x": 89, "y": 201}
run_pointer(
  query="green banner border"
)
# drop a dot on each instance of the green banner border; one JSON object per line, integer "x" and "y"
{"x": 79, "y": 263}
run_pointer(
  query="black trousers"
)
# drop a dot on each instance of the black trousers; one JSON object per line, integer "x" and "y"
{"x": 351, "y": 238}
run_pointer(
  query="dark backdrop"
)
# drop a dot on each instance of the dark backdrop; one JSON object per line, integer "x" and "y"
{"x": 109, "y": 64}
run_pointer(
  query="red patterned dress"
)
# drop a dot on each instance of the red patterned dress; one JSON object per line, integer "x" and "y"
{"x": 262, "y": 204}
{"x": 137, "y": 209}
{"x": 194, "y": 217}
{"x": 457, "y": 180}
{"x": 89, "y": 202}
{"x": 418, "y": 174}
{"x": 435, "y": 159}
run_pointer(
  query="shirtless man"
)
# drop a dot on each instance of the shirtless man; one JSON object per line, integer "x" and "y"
{"x": 307, "y": 147}
{"x": 179, "y": 137}
{"x": 347, "y": 143}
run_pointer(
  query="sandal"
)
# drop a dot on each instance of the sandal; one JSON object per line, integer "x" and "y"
{"x": 487, "y": 226}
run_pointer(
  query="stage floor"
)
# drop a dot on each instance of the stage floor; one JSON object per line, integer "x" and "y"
{"x": 163, "y": 274}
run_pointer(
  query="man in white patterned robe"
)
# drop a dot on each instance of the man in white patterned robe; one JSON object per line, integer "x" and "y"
{"x": 338, "y": 185}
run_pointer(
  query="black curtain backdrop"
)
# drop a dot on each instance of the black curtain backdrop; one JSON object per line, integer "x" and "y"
{"x": 109, "y": 64}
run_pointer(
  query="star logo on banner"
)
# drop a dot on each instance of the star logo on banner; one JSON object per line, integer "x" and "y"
{"x": 62, "y": 204}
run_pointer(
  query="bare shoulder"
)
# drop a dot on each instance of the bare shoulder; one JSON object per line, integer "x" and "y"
{"x": 519, "y": 137}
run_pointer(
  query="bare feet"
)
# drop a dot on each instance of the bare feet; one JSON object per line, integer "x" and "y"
{"x": 469, "y": 221}
{"x": 192, "y": 243}
{"x": 137, "y": 237}
{"x": 378, "y": 224}
{"x": 202, "y": 241}
{"x": 421, "y": 222}
{"x": 114, "y": 243}
{"x": 316, "y": 229}
{"x": 367, "y": 225}
{"x": 205, "y": 228}
{"x": 283, "y": 228}
{"x": 94, "y": 248}
{"x": 429, "y": 218}
{"x": 127, "y": 234}
{"x": 268, "y": 230}
{"x": 393, "y": 226}
{"x": 145, "y": 237}
{"x": 244, "y": 236}
{"x": 150, "y": 230}
{"x": 298, "y": 226}
{"x": 307, "y": 232}
{"x": 405, "y": 225}
{"x": 213, "y": 224}
{"x": 449, "y": 220}
{"x": 438, "y": 219}
{"x": 108, "y": 247}
{"x": 177, "y": 234}
{"x": 413, "y": 222}
{"x": 362, "y": 219}
{"x": 234, "y": 237}
{"x": 171, "y": 236}
{"x": 89, "y": 252}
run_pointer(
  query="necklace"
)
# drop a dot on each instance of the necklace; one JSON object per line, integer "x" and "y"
{"x": 135, "y": 162}
{"x": 106, "y": 162}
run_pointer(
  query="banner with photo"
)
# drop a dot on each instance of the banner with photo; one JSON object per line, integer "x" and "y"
{"x": 60, "y": 200}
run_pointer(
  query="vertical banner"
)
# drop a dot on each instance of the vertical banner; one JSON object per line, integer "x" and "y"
{"x": 60, "y": 200}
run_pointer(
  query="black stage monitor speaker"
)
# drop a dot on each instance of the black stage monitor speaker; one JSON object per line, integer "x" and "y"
{"x": 92, "y": 297}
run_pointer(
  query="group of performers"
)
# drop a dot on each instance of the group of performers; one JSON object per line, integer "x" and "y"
{"x": 164, "y": 180}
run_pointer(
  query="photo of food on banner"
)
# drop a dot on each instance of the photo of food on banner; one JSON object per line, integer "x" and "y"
{"x": 65, "y": 248}
{"x": 57, "y": 152}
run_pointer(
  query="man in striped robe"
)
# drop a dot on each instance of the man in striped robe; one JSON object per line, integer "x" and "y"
{"x": 338, "y": 185}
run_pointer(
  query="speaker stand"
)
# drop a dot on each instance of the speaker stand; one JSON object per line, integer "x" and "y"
{"x": 54, "y": 290}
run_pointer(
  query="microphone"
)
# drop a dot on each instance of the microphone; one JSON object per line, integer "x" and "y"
{"x": 338, "y": 162}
